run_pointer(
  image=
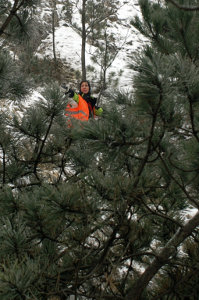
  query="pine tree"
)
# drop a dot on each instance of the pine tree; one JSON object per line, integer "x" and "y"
{"x": 98, "y": 211}
{"x": 93, "y": 15}
{"x": 20, "y": 33}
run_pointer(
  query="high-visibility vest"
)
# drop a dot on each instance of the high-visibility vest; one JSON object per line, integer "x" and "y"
{"x": 81, "y": 112}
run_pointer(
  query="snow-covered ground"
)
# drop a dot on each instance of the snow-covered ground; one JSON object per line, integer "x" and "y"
{"x": 68, "y": 44}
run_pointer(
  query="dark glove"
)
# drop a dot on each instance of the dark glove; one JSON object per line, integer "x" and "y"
{"x": 70, "y": 93}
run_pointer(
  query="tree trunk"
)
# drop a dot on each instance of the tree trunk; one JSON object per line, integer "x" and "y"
{"x": 83, "y": 59}
{"x": 53, "y": 30}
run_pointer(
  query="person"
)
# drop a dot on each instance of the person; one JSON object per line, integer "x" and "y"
{"x": 86, "y": 107}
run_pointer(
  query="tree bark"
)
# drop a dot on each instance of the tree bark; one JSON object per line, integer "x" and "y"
{"x": 162, "y": 258}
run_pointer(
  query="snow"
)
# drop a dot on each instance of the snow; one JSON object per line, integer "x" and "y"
{"x": 68, "y": 44}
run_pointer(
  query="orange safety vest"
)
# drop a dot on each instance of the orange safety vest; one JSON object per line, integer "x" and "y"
{"x": 81, "y": 112}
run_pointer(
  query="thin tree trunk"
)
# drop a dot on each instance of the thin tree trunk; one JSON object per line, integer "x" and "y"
{"x": 4, "y": 166}
{"x": 83, "y": 59}
{"x": 53, "y": 30}
{"x": 162, "y": 258}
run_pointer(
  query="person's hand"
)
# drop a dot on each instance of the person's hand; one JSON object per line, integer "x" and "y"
{"x": 70, "y": 93}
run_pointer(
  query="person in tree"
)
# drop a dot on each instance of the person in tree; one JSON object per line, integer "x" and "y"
{"x": 86, "y": 104}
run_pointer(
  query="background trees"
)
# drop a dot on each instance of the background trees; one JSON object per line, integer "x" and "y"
{"x": 20, "y": 33}
{"x": 104, "y": 210}
{"x": 93, "y": 24}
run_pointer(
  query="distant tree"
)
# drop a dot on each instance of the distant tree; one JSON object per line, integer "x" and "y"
{"x": 83, "y": 31}
{"x": 13, "y": 83}
{"x": 94, "y": 16}
{"x": 16, "y": 23}
{"x": 20, "y": 32}
{"x": 107, "y": 47}
{"x": 12, "y": 10}
{"x": 53, "y": 27}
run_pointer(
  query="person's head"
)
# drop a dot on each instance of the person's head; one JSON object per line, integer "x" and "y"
{"x": 85, "y": 87}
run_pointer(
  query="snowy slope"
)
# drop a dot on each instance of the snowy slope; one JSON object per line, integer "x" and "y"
{"x": 68, "y": 44}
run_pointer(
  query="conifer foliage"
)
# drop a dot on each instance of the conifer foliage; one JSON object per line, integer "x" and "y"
{"x": 103, "y": 210}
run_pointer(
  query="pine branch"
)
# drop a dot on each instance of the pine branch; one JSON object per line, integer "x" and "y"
{"x": 15, "y": 8}
{"x": 162, "y": 258}
{"x": 157, "y": 213}
{"x": 150, "y": 144}
{"x": 191, "y": 199}
{"x": 43, "y": 143}
{"x": 186, "y": 8}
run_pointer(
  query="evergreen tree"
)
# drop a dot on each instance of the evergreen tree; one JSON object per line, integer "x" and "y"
{"x": 12, "y": 15}
{"x": 94, "y": 15}
{"x": 107, "y": 46}
{"x": 98, "y": 211}
{"x": 20, "y": 34}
